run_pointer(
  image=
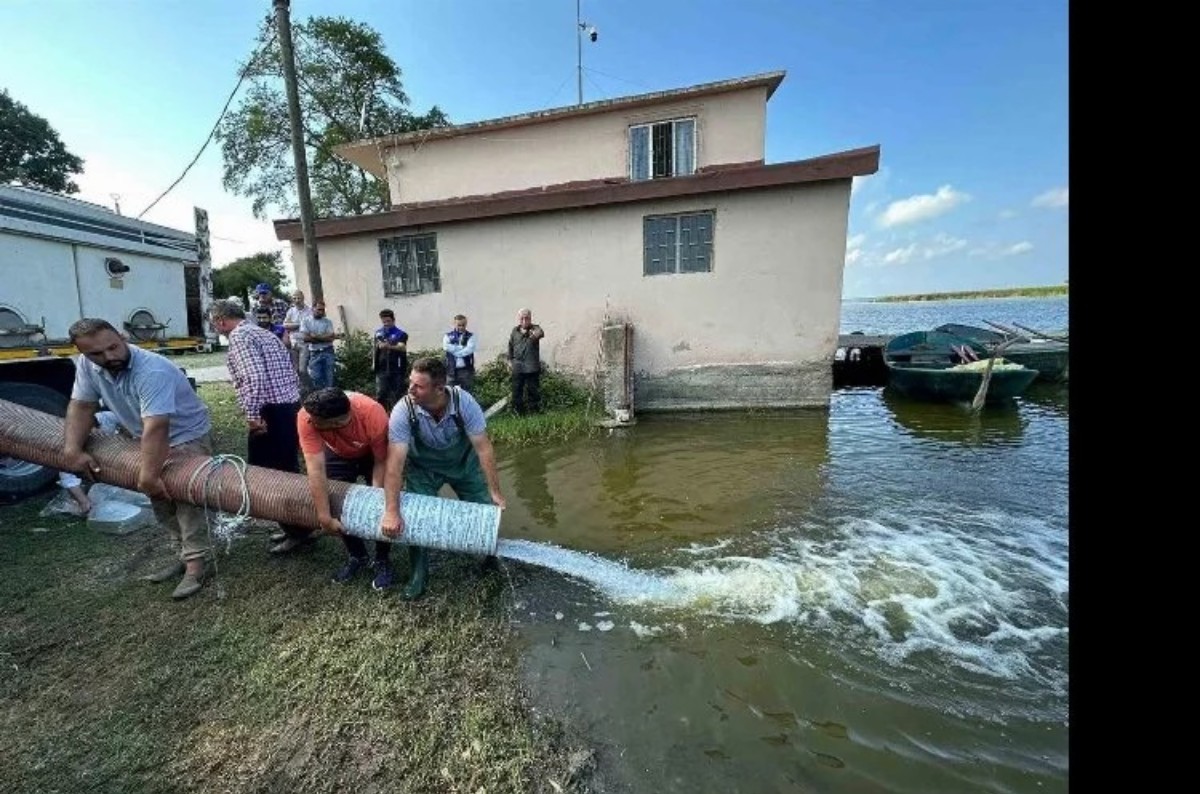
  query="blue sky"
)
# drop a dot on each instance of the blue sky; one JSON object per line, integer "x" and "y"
{"x": 967, "y": 98}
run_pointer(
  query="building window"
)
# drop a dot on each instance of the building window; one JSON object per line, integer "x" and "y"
{"x": 677, "y": 243}
{"x": 664, "y": 149}
{"x": 410, "y": 265}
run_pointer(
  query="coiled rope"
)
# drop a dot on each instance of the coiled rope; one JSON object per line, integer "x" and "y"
{"x": 226, "y": 525}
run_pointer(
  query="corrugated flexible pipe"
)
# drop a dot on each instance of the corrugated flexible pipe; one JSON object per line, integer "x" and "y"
{"x": 430, "y": 521}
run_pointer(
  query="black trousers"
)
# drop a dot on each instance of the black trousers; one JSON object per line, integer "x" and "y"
{"x": 390, "y": 386}
{"x": 526, "y": 384}
{"x": 463, "y": 377}
{"x": 349, "y": 470}
{"x": 278, "y": 448}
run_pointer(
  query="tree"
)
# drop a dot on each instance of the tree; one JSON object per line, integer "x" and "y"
{"x": 241, "y": 276}
{"x": 349, "y": 90}
{"x": 31, "y": 153}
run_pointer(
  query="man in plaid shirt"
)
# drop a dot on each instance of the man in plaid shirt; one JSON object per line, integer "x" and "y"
{"x": 268, "y": 392}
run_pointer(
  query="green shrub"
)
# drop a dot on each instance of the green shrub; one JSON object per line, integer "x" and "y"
{"x": 493, "y": 381}
{"x": 353, "y": 370}
{"x": 413, "y": 355}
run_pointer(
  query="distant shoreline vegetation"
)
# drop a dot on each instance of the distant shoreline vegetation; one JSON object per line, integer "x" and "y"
{"x": 1013, "y": 292}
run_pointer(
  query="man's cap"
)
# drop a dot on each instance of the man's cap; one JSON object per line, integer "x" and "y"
{"x": 262, "y": 288}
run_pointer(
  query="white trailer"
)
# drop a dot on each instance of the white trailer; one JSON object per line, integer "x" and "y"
{"x": 62, "y": 259}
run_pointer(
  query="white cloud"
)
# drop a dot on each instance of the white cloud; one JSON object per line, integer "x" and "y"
{"x": 1053, "y": 198}
{"x": 1007, "y": 214}
{"x": 854, "y": 250}
{"x": 922, "y": 207}
{"x": 940, "y": 245}
{"x": 900, "y": 256}
{"x": 996, "y": 251}
{"x": 943, "y": 244}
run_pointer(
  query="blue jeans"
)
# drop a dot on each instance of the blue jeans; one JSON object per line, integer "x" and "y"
{"x": 320, "y": 367}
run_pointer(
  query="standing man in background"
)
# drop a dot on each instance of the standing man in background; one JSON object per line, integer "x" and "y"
{"x": 154, "y": 403}
{"x": 262, "y": 319}
{"x": 319, "y": 336}
{"x": 459, "y": 344}
{"x": 268, "y": 392}
{"x": 525, "y": 363}
{"x": 295, "y": 339}
{"x": 391, "y": 360}
{"x": 276, "y": 306}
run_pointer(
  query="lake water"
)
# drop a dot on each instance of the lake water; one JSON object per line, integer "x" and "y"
{"x": 866, "y": 599}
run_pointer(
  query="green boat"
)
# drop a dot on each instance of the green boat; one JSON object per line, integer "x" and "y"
{"x": 928, "y": 365}
{"x": 1049, "y": 357}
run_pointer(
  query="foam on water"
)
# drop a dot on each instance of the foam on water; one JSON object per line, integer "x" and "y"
{"x": 982, "y": 590}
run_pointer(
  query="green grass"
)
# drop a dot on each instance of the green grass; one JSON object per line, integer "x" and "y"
{"x": 286, "y": 683}
{"x": 508, "y": 431}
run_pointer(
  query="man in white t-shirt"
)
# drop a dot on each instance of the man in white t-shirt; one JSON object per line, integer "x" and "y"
{"x": 295, "y": 338}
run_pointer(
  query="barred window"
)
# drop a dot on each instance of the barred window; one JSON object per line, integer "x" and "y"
{"x": 662, "y": 150}
{"x": 677, "y": 243}
{"x": 410, "y": 265}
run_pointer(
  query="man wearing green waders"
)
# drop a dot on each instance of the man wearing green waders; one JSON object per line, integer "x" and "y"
{"x": 440, "y": 433}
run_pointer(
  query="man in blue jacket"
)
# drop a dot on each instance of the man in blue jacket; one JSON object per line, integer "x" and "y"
{"x": 391, "y": 360}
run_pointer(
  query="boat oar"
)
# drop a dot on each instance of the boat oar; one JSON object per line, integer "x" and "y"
{"x": 1004, "y": 328}
{"x": 981, "y": 395}
{"x": 1051, "y": 337}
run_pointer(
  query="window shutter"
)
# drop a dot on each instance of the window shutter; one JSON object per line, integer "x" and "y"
{"x": 695, "y": 243}
{"x": 658, "y": 235}
{"x": 685, "y": 147}
{"x": 639, "y": 153}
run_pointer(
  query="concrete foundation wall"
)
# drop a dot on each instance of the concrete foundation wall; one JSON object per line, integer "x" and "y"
{"x": 721, "y": 386}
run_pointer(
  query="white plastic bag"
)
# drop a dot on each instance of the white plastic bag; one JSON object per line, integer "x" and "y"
{"x": 61, "y": 504}
{"x": 117, "y": 511}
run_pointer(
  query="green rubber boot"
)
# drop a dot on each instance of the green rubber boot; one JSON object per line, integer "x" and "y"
{"x": 418, "y": 558}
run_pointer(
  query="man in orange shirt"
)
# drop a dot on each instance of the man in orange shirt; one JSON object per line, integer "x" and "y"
{"x": 343, "y": 436}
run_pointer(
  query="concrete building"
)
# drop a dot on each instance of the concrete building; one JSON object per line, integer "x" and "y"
{"x": 654, "y": 211}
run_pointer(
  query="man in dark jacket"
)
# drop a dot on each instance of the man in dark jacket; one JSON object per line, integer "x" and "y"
{"x": 525, "y": 363}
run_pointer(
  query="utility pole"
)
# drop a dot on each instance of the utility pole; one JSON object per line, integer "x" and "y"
{"x": 283, "y": 24}
{"x": 581, "y": 27}
{"x": 578, "y": 53}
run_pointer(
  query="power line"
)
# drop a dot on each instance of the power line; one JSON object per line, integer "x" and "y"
{"x": 560, "y": 87}
{"x": 614, "y": 77}
{"x": 594, "y": 84}
{"x": 241, "y": 78}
